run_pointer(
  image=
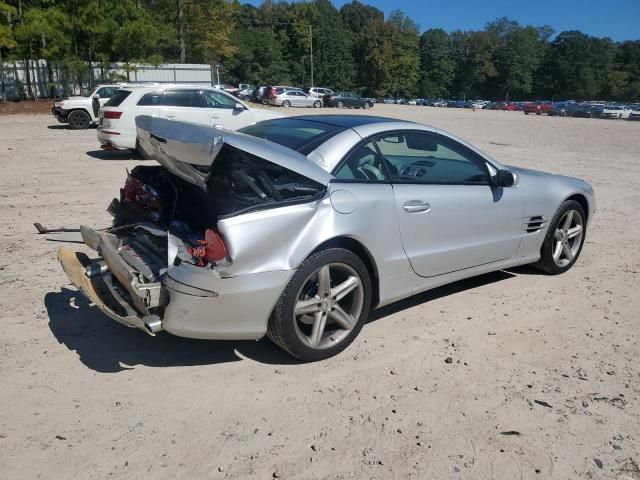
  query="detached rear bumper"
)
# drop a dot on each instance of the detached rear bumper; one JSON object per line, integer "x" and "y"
{"x": 101, "y": 291}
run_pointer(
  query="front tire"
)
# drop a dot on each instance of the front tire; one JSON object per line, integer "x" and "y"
{"x": 79, "y": 120}
{"x": 324, "y": 306}
{"x": 340, "y": 105}
{"x": 564, "y": 239}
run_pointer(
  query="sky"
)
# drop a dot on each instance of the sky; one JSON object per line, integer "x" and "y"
{"x": 618, "y": 19}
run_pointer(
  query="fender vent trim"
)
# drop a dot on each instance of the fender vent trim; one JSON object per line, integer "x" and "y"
{"x": 535, "y": 224}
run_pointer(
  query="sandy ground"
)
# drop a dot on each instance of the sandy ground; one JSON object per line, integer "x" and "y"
{"x": 555, "y": 359}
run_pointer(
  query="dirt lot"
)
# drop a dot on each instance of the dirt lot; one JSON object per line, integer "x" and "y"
{"x": 555, "y": 359}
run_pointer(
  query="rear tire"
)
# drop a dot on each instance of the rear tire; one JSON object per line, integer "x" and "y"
{"x": 565, "y": 238}
{"x": 366, "y": 106}
{"x": 79, "y": 120}
{"x": 286, "y": 104}
{"x": 340, "y": 105}
{"x": 324, "y": 306}
{"x": 317, "y": 104}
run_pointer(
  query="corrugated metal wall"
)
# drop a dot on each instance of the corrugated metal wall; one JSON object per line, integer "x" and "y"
{"x": 47, "y": 77}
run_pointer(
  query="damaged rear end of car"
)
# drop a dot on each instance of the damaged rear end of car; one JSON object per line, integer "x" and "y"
{"x": 167, "y": 262}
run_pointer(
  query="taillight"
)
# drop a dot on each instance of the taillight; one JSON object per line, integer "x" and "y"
{"x": 211, "y": 249}
{"x": 112, "y": 114}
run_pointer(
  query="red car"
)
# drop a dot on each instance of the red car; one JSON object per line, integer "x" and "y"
{"x": 537, "y": 107}
{"x": 509, "y": 106}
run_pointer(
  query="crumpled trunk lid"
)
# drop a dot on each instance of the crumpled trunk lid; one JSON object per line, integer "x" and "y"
{"x": 189, "y": 150}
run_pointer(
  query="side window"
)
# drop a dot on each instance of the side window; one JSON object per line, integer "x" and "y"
{"x": 151, "y": 99}
{"x": 428, "y": 158}
{"x": 182, "y": 98}
{"x": 218, "y": 100}
{"x": 363, "y": 164}
{"x": 106, "y": 92}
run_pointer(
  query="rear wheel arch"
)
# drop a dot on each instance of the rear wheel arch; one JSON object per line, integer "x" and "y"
{"x": 357, "y": 248}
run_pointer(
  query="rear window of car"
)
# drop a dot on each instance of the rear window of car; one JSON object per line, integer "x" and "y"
{"x": 300, "y": 135}
{"x": 117, "y": 98}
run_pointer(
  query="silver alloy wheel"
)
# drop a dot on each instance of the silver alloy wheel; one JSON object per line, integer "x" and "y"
{"x": 328, "y": 305}
{"x": 568, "y": 238}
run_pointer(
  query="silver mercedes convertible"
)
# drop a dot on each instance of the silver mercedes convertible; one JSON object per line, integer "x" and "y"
{"x": 296, "y": 228}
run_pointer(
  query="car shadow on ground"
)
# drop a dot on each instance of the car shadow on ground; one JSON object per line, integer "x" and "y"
{"x": 444, "y": 291}
{"x": 114, "y": 155}
{"x": 67, "y": 127}
{"x": 105, "y": 346}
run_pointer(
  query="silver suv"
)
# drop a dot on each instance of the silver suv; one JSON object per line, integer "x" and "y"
{"x": 318, "y": 92}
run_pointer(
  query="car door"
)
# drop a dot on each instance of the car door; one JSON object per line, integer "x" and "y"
{"x": 450, "y": 216}
{"x": 294, "y": 97}
{"x": 104, "y": 94}
{"x": 221, "y": 110}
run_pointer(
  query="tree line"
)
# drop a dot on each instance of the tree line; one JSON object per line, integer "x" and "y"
{"x": 354, "y": 47}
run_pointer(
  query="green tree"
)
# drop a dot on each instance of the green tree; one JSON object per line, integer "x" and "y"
{"x": 475, "y": 63}
{"x": 437, "y": 67}
{"x": 7, "y": 42}
{"x": 405, "y": 55}
{"x": 361, "y": 19}
{"x": 518, "y": 55}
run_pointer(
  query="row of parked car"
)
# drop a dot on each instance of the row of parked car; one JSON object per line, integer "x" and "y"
{"x": 317, "y": 97}
{"x": 567, "y": 108}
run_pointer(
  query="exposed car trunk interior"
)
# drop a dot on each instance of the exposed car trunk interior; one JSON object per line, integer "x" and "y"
{"x": 237, "y": 182}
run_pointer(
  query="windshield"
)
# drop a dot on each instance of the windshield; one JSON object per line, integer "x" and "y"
{"x": 297, "y": 134}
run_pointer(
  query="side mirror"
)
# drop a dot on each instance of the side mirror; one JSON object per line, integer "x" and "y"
{"x": 96, "y": 97}
{"x": 505, "y": 178}
{"x": 239, "y": 106}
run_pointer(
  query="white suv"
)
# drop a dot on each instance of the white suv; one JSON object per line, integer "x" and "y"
{"x": 190, "y": 103}
{"x": 81, "y": 111}
{"x": 319, "y": 92}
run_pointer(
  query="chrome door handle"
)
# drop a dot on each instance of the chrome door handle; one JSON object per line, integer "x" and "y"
{"x": 416, "y": 206}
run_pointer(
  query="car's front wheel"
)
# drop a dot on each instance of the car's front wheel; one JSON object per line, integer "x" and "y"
{"x": 340, "y": 105}
{"x": 564, "y": 240}
{"x": 324, "y": 306}
{"x": 79, "y": 120}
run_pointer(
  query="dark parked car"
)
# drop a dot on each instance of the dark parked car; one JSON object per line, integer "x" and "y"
{"x": 587, "y": 110}
{"x": 563, "y": 109}
{"x": 347, "y": 99}
{"x": 537, "y": 107}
